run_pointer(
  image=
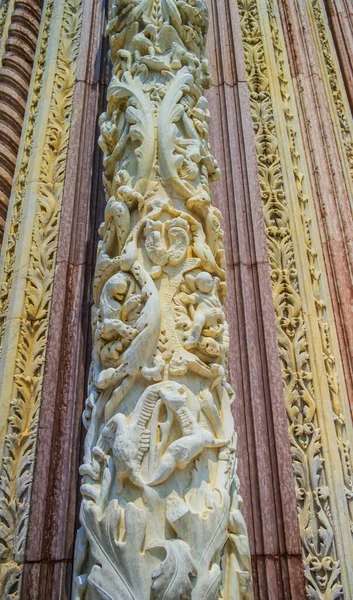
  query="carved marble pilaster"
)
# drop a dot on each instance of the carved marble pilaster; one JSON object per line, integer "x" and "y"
{"x": 27, "y": 269}
{"x": 15, "y": 77}
{"x": 161, "y": 510}
{"x": 336, "y": 94}
{"x": 320, "y": 427}
{"x": 340, "y": 16}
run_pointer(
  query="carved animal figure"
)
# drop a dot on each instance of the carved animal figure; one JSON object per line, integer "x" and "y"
{"x": 195, "y": 438}
{"x": 143, "y": 344}
{"x": 143, "y": 43}
{"x": 128, "y": 439}
{"x": 181, "y": 57}
{"x": 114, "y": 333}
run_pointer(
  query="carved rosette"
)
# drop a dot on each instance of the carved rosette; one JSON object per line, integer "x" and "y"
{"x": 160, "y": 512}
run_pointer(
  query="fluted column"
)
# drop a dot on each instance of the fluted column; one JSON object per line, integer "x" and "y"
{"x": 15, "y": 77}
{"x": 315, "y": 391}
{"x": 160, "y": 511}
{"x": 340, "y": 15}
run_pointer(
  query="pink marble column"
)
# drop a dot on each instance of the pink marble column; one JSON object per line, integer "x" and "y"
{"x": 265, "y": 467}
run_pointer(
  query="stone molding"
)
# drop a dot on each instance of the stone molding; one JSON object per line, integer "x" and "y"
{"x": 340, "y": 17}
{"x": 26, "y": 327}
{"x": 329, "y": 186}
{"x": 315, "y": 394}
{"x": 335, "y": 90}
{"x": 5, "y": 17}
{"x": 265, "y": 467}
{"x": 55, "y": 493}
{"x": 17, "y": 58}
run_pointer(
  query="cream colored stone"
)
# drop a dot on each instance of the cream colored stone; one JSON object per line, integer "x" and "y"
{"x": 6, "y": 9}
{"x": 160, "y": 512}
{"x": 27, "y": 266}
{"x": 336, "y": 94}
{"x": 320, "y": 428}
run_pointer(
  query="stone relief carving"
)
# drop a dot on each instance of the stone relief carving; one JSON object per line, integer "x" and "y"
{"x": 321, "y": 562}
{"x": 4, "y": 4}
{"x": 15, "y": 216}
{"x": 328, "y": 352}
{"x": 338, "y": 94}
{"x": 15, "y": 77}
{"x": 161, "y": 511}
{"x": 20, "y": 442}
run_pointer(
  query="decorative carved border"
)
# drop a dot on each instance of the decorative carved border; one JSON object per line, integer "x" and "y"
{"x": 328, "y": 352}
{"x": 11, "y": 239}
{"x": 20, "y": 444}
{"x": 291, "y": 278}
{"x": 337, "y": 98}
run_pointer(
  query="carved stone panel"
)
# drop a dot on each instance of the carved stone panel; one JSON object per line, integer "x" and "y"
{"x": 161, "y": 511}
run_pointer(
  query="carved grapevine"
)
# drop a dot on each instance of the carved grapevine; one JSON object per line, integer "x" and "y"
{"x": 160, "y": 512}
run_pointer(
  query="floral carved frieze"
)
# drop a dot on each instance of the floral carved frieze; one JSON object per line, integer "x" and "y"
{"x": 337, "y": 96}
{"x": 161, "y": 512}
{"x": 314, "y": 390}
{"x": 53, "y": 130}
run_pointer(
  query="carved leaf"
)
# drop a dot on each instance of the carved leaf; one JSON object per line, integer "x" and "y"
{"x": 172, "y": 579}
{"x": 206, "y": 534}
{"x": 120, "y": 572}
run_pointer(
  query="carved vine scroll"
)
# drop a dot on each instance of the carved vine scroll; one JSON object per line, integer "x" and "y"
{"x": 160, "y": 511}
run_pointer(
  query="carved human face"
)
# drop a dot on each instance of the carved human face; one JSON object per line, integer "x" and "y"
{"x": 204, "y": 282}
{"x": 118, "y": 286}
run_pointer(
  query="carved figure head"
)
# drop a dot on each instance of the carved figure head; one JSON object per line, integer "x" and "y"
{"x": 204, "y": 282}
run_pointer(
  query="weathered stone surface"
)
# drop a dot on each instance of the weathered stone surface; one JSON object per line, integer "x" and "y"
{"x": 27, "y": 271}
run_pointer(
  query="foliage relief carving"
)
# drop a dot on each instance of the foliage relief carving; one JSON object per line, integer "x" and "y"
{"x": 15, "y": 216}
{"x": 337, "y": 91}
{"x": 321, "y": 566}
{"x": 20, "y": 441}
{"x": 160, "y": 509}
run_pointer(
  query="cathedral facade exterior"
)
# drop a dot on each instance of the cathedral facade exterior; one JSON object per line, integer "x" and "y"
{"x": 176, "y": 299}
